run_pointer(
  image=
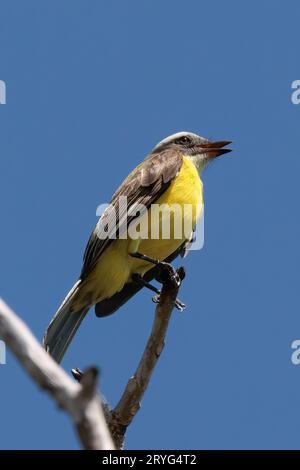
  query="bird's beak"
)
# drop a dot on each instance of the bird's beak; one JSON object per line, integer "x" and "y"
{"x": 215, "y": 149}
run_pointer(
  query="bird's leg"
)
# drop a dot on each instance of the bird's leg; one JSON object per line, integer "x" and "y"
{"x": 144, "y": 257}
{"x": 166, "y": 274}
{"x": 138, "y": 279}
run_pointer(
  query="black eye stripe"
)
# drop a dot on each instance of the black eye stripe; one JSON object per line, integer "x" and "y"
{"x": 183, "y": 140}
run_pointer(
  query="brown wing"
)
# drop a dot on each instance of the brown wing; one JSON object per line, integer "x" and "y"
{"x": 143, "y": 186}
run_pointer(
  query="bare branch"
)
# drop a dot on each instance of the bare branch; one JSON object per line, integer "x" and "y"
{"x": 129, "y": 403}
{"x": 94, "y": 420}
{"x": 122, "y": 415}
{"x": 79, "y": 400}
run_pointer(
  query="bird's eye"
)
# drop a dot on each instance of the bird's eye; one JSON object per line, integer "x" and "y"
{"x": 184, "y": 140}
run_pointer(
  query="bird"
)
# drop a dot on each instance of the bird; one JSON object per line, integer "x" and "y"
{"x": 116, "y": 265}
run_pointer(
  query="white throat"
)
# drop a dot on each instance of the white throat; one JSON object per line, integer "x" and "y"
{"x": 200, "y": 161}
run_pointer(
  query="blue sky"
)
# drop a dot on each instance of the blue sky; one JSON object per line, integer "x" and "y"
{"x": 91, "y": 87}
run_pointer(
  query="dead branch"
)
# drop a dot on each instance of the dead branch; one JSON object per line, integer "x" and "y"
{"x": 130, "y": 401}
{"x": 95, "y": 422}
{"x": 79, "y": 400}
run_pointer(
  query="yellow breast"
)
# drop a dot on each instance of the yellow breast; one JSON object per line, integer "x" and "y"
{"x": 186, "y": 188}
{"x": 183, "y": 200}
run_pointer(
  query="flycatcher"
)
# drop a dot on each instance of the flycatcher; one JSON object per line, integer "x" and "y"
{"x": 117, "y": 264}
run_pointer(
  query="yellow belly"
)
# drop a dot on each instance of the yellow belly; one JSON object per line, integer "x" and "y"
{"x": 116, "y": 266}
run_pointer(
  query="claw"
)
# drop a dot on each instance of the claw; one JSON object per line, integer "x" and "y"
{"x": 156, "y": 299}
{"x": 178, "y": 304}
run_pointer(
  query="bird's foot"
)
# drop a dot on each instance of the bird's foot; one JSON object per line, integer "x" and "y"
{"x": 166, "y": 275}
{"x": 178, "y": 304}
{"x": 77, "y": 374}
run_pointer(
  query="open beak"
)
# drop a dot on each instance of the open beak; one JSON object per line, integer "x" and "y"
{"x": 215, "y": 149}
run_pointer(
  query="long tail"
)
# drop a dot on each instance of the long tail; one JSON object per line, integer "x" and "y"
{"x": 63, "y": 326}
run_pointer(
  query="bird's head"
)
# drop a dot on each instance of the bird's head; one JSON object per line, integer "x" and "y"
{"x": 200, "y": 150}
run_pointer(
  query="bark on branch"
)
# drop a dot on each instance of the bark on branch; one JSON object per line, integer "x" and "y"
{"x": 130, "y": 401}
{"x": 79, "y": 400}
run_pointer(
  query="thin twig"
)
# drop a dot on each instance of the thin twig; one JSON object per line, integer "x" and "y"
{"x": 79, "y": 400}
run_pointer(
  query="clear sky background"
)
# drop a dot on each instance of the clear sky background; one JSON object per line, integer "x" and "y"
{"x": 91, "y": 87}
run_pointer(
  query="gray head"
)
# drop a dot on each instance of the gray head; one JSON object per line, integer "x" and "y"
{"x": 199, "y": 149}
